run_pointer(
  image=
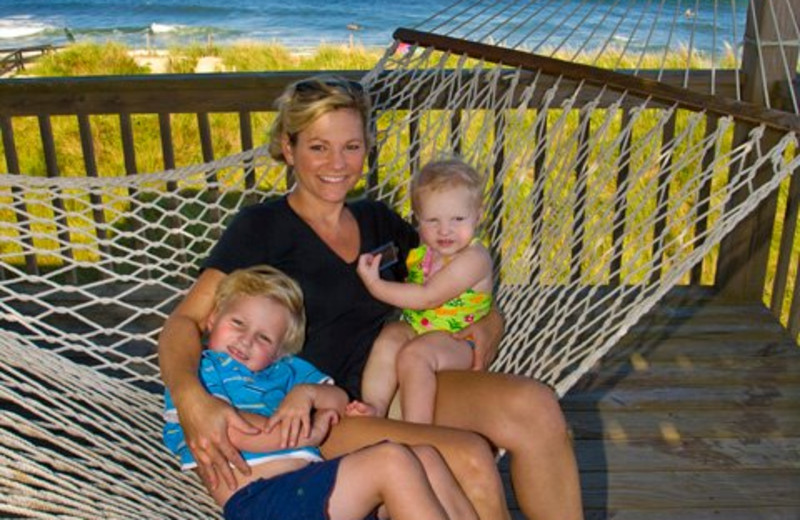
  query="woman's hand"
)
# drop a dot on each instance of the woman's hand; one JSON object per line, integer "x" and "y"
{"x": 486, "y": 334}
{"x": 293, "y": 416}
{"x": 205, "y": 421}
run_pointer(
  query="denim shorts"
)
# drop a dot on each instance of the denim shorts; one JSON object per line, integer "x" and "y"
{"x": 298, "y": 495}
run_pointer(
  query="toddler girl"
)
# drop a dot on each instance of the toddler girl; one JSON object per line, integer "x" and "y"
{"x": 448, "y": 287}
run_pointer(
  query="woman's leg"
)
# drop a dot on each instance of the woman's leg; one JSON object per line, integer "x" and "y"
{"x": 444, "y": 484}
{"x": 379, "y": 381}
{"x": 524, "y": 417}
{"x": 388, "y": 474}
{"x": 468, "y": 455}
{"x": 417, "y": 365}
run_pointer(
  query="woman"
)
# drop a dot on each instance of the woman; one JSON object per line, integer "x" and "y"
{"x": 315, "y": 236}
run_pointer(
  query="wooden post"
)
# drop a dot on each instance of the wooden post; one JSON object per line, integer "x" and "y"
{"x": 744, "y": 252}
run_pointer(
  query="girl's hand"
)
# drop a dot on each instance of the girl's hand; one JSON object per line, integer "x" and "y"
{"x": 368, "y": 265}
{"x": 486, "y": 334}
{"x": 293, "y": 416}
{"x": 205, "y": 421}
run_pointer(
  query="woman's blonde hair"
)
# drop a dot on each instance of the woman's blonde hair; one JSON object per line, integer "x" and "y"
{"x": 303, "y": 102}
{"x": 265, "y": 280}
{"x": 443, "y": 174}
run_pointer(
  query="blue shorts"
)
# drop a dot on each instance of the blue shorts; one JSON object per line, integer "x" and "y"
{"x": 298, "y": 495}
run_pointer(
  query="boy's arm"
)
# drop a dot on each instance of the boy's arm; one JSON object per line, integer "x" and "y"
{"x": 464, "y": 272}
{"x": 328, "y": 396}
{"x": 294, "y": 414}
{"x": 268, "y": 441}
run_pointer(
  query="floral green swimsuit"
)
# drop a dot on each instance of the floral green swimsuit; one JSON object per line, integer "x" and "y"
{"x": 453, "y": 315}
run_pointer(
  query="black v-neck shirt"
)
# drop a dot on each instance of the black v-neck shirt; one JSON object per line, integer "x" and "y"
{"x": 343, "y": 319}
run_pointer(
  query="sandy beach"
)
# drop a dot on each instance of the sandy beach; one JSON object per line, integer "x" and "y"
{"x": 245, "y": 56}
{"x": 158, "y": 61}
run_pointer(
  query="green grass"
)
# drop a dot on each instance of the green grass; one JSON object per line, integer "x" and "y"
{"x": 85, "y": 59}
{"x": 254, "y": 57}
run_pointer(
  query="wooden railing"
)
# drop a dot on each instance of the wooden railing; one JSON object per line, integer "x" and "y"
{"x": 15, "y": 59}
{"x": 247, "y": 94}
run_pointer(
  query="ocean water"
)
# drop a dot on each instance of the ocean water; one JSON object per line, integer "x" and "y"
{"x": 297, "y": 24}
{"x": 303, "y": 24}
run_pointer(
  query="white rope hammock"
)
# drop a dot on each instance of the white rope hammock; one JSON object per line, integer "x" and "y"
{"x": 599, "y": 201}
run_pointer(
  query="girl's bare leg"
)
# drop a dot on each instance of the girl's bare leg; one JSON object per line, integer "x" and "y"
{"x": 524, "y": 417}
{"x": 417, "y": 365}
{"x": 468, "y": 455}
{"x": 388, "y": 474}
{"x": 444, "y": 484}
{"x": 379, "y": 380}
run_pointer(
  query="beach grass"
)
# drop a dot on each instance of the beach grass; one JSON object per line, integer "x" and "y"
{"x": 87, "y": 59}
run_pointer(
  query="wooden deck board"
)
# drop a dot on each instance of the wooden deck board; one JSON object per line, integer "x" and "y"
{"x": 689, "y": 454}
{"x": 743, "y": 424}
{"x": 707, "y": 513}
{"x": 691, "y": 489}
{"x": 695, "y": 415}
{"x": 666, "y": 490}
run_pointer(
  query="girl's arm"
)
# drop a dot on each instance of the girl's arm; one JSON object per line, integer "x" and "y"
{"x": 463, "y": 272}
{"x": 205, "y": 420}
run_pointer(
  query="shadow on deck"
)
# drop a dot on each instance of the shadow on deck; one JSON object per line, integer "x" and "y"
{"x": 694, "y": 415}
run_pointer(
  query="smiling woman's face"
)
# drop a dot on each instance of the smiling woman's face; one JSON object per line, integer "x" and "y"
{"x": 328, "y": 155}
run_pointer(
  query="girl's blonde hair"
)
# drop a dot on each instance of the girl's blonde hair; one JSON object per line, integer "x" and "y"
{"x": 303, "y": 102}
{"x": 265, "y": 280}
{"x": 443, "y": 174}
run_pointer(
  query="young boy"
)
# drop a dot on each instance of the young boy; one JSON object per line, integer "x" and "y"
{"x": 256, "y": 325}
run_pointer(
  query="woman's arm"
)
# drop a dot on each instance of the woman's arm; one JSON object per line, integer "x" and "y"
{"x": 486, "y": 333}
{"x": 205, "y": 419}
{"x": 466, "y": 270}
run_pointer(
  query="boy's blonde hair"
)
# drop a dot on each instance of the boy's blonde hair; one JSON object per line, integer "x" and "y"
{"x": 265, "y": 280}
{"x": 445, "y": 174}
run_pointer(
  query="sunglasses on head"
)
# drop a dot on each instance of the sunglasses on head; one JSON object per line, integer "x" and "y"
{"x": 314, "y": 85}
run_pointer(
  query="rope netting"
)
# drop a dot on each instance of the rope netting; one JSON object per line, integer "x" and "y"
{"x": 113, "y": 255}
{"x": 76, "y": 443}
{"x": 599, "y": 200}
{"x": 594, "y": 209}
{"x": 699, "y": 40}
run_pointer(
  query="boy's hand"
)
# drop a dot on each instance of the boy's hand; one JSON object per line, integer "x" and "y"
{"x": 293, "y": 416}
